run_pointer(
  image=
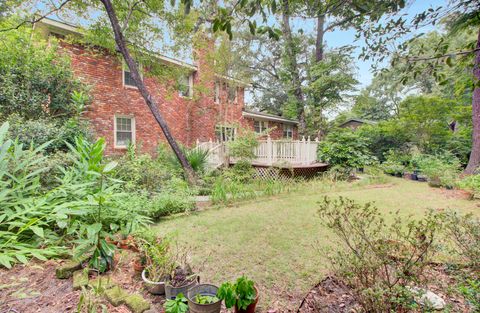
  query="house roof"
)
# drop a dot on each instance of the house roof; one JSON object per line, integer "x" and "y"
{"x": 268, "y": 117}
{"x": 358, "y": 120}
{"x": 63, "y": 28}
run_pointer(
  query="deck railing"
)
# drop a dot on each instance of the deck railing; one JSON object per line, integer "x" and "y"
{"x": 268, "y": 152}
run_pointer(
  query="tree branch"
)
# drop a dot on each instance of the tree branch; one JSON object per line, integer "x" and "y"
{"x": 440, "y": 56}
{"x": 36, "y": 20}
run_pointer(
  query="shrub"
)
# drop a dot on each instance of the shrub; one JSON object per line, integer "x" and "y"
{"x": 197, "y": 158}
{"x": 142, "y": 172}
{"x": 377, "y": 260}
{"x": 464, "y": 231}
{"x": 166, "y": 203}
{"x": 471, "y": 183}
{"x": 243, "y": 146}
{"x": 441, "y": 169}
{"x": 82, "y": 209}
{"x": 396, "y": 162}
{"x": 345, "y": 148}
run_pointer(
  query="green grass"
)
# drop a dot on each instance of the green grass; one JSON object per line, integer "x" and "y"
{"x": 279, "y": 241}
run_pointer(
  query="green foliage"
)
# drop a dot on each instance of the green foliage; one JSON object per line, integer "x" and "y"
{"x": 464, "y": 231}
{"x": 39, "y": 95}
{"x": 177, "y": 305}
{"x": 196, "y": 157}
{"x": 240, "y": 294}
{"x": 98, "y": 204}
{"x": 83, "y": 207}
{"x": 440, "y": 169}
{"x": 345, "y": 148}
{"x": 159, "y": 256}
{"x": 28, "y": 216}
{"x": 244, "y": 145}
{"x": 377, "y": 260}
{"x": 471, "y": 291}
{"x": 471, "y": 183}
{"x": 201, "y": 299}
{"x": 142, "y": 172}
{"x": 168, "y": 203}
{"x": 396, "y": 163}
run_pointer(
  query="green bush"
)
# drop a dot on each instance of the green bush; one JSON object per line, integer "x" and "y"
{"x": 345, "y": 148}
{"x": 143, "y": 172}
{"x": 83, "y": 208}
{"x": 379, "y": 261}
{"x": 471, "y": 183}
{"x": 166, "y": 203}
{"x": 441, "y": 169}
{"x": 396, "y": 163}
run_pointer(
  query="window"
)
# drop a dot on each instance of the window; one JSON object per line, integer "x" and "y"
{"x": 217, "y": 92}
{"x": 232, "y": 94}
{"x": 185, "y": 86}
{"x": 127, "y": 76}
{"x": 124, "y": 131}
{"x": 225, "y": 133}
{"x": 260, "y": 126}
{"x": 287, "y": 131}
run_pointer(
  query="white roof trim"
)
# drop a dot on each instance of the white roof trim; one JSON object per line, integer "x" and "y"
{"x": 265, "y": 117}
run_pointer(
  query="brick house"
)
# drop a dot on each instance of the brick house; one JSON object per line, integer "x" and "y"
{"x": 119, "y": 114}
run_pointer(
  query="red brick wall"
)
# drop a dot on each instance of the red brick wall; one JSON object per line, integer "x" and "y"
{"x": 276, "y": 132}
{"x": 188, "y": 119}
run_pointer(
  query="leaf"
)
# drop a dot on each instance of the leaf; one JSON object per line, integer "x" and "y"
{"x": 21, "y": 258}
{"x": 38, "y": 255}
{"x": 110, "y": 166}
{"x": 38, "y": 231}
{"x": 6, "y": 261}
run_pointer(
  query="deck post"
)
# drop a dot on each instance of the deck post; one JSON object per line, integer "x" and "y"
{"x": 269, "y": 151}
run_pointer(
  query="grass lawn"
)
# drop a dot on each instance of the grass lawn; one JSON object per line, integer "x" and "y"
{"x": 279, "y": 241}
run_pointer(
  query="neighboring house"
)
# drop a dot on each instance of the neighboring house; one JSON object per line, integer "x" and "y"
{"x": 119, "y": 114}
{"x": 354, "y": 123}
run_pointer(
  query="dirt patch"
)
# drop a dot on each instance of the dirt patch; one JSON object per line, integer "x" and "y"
{"x": 35, "y": 288}
{"x": 333, "y": 296}
{"x": 454, "y": 193}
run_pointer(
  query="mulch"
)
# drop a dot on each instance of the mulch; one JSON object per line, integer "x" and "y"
{"x": 334, "y": 296}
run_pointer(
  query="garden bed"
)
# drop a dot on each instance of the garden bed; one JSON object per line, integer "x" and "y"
{"x": 333, "y": 296}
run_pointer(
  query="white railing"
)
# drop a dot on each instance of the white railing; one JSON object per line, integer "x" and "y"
{"x": 216, "y": 152}
{"x": 302, "y": 152}
{"x": 268, "y": 152}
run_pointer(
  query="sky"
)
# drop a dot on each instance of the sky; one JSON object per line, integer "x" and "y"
{"x": 340, "y": 38}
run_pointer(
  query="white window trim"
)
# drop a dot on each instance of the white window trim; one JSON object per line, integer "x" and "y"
{"x": 115, "y": 146}
{"x": 190, "y": 87}
{"x": 263, "y": 125}
{"x": 217, "y": 92}
{"x": 287, "y": 127}
{"x": 124, "y": 69}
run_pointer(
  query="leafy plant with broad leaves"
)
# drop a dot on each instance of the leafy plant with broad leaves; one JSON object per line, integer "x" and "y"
{"x": 205, "y": 299}
{"x": 28, "y": 216}
{"x": 177, "y": 305}
{"x": 98, "y": 198}
{"x": 240, "y": 294}
{"x": 345, "y": 148}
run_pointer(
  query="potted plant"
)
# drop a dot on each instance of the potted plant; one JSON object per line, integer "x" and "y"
{"x": 203, "y": 298}
{"x": 242, "y": 295}
{"x": 181, "y": 280}
{"x": 139, "y": 263}
{"x": 158, "y": 264}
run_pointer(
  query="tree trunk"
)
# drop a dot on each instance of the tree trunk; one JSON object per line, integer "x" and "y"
{"x": 474, "y": 160}
{"x": 292, "y": 66}
{"x": 152, "y": 105}
{"x": 320, "y": 34}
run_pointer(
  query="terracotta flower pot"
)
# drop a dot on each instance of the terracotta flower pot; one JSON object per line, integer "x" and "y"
{"x": 251, "y": 308}
{"x": 138, "y": 266}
